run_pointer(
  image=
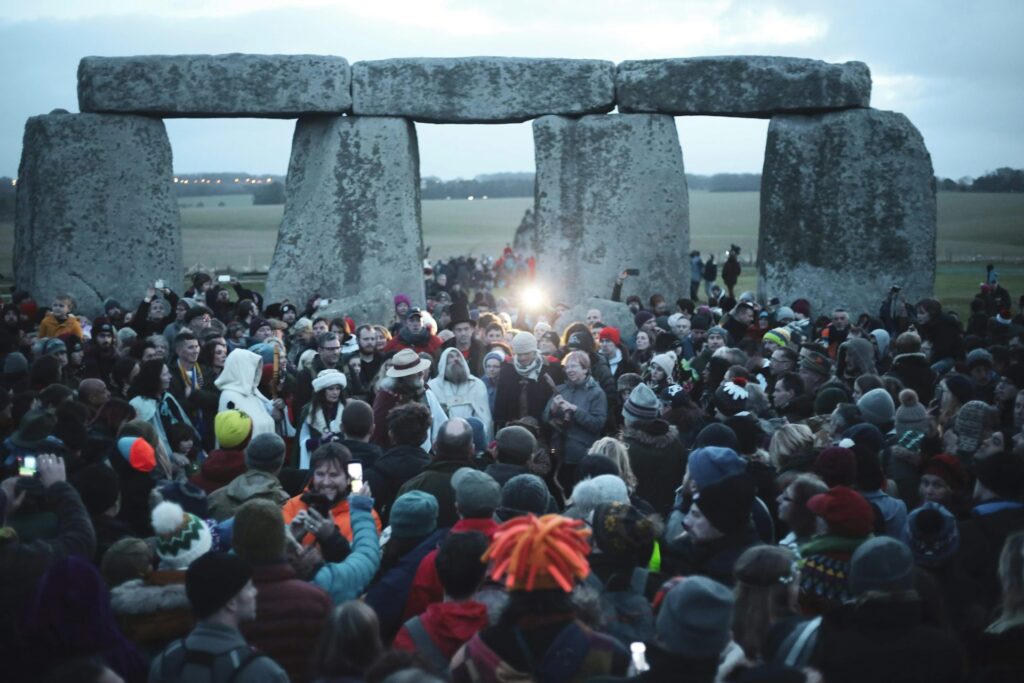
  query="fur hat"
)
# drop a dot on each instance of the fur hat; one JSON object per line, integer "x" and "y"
{"x": 877, "y": 407}
{"x": 881, "y": 564}
{"x": 329, "y": 378}
{"x": 181, "y": 537}
{"x": 846, "y": 511}
{"x": 259, "y": 530}
{"x": 233, "y": 429}
{"x": 641, "y": 406}
{"x": 695, "y": 619}
{"x": 712, "y": 463}
{"x": 731, "y": 396}
{"x": 911, "y": 415}
{"x": 726, "y": 503}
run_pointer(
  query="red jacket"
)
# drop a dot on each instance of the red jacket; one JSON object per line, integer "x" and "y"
{"x": 449, "y": 625}
{"x": 426, "y": 586}
{"x": 433, "y": 344}
{"x": 220, "y": 469}
{"x": 290, "y": 614}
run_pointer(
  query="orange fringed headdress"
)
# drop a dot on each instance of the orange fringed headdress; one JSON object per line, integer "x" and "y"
{"x": 532, "y": 552}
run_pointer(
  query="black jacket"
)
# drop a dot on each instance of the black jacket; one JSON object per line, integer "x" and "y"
{"x": 398, "y": 465}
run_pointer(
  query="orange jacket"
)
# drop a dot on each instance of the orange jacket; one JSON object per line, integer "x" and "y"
{"x": 340, "y": 513}
{"x": 51, "y": 328}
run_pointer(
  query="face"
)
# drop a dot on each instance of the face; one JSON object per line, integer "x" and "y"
{"x": 330, "y": 352}
{"x": 180, "y": 311}
{"x": 59, "y": 309}
{"x": 840, "y": 320}
{"x": 1005, "y": 390}
{"x": 463, "y": 334}
{"x": 188, "y": 350}
{"x": 262, "y": 333}
{"x": 223, "y": 295}
{"x": 810, "y": 379}
{"x": 593, "y": 316}
{"x": 780, "y": 364}
{"x": 643, "y": 342}
{"x": 608, "y": 347}
{"x": 715, "y": 341}
{"x": 547, "y": 347}
{"x": 494, "y": 335}
{"x": 165, "y": 378}
{"x": 922, "y": 316}
{"x": 700, "y": 526}
{"x": 245, "y": 603}
{"x": 332, "y": 394}
{"x": 933, "y": 489}
{"x": 650, "y": 325}
{"x": 330, "y": 479}
{"x": 527, "y": 358}
{"x": 782, "y": 395}
{"x": 320, "y": 326}
{"x": 367, "y": 341}
{"x": 381, "y": 340}
{"x": 200, "y": 323}
{"x": 415, "y": 324}
{"x": 575, "y": 372}
{"x": 157, "y": 310}
{"x": 288, "y": 316}
{"x": 1018, "y": 410}
{"x": 220, "y": 354}
{"x": 681, "y": 327}
{"x": 657, "y": 374}
{"x": 745, "y": 315}
{"x": 492, "y": 368}
{"x": 151, "y": 353}
{"x": 785, "y": 501}
{"x": 402, "y": 309}
{"x": 185, "y": 446}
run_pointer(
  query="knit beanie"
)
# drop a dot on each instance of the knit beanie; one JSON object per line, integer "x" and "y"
{"x": 700, "y": 321}
{"x": 623, "y": 533}
{"x": 329, "y": 378}
{"x": 865, "y": 436}
{"x": 911, "y": 415}
{"x": 785, "y": 314}
{"x": 233, "y": 429}
{"x": 496, "y": 355}
{"x": 137, "y": 452}
{"x": 948, "y": 469}
{"x": 213, "y": 580}
{"x": 713, "y": 463}
{"x": 110, "y": 303}
{"x": 721, "y": 332}
{"x": 524, "y": 342}
{"x": 523, "y": 494}
{"x": 98, "y": 486}
{"x": 413, "y": 515}
{"x": 665, "y": 361}
{"x": 181, "y": 537}
{"x": 15, "y": 363}
{"x": 127, "y": 559}
{"x": 256, "y": 324}
{"x": 695, "y": 619}
{"x": 674, "y": 396}
{"x": 960, "y": 387}
{"x": 802, "y": 306}
{"x": 731, "y": 396}
{"x": 1002, "y": 473}
{"x": 846, "y": 511}
{"x": 476, "y": 493}
{"x": 877, "y": 407}
{"x": 932, "y": 534}
{"x": 641, "y": 406}
{"x": 779, "y": 336}
{"x": 817, "y": 363}
{"x": 881, "y": 564}
{"x": 642, "y": 317}
{"x": 749, "y": 434}
{"x": 969, "y": 425}
{"x": 258, "y": 536}
{"x": 265, "y": 452}
{"x": 726, "y": 503}
{"x": 979, "y": 357}
{"x": 837, "y": 466}
{"x": 190, "y": 497}
{"x": 716, "y": 434}
{"x": 826, "y": 400}
{"x": 610, "y": 334}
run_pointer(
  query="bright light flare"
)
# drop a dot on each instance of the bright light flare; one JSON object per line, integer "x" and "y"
{"x": 533, "y": 298}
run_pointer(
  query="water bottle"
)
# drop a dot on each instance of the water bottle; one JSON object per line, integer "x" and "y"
{"x": 638, "y": 655}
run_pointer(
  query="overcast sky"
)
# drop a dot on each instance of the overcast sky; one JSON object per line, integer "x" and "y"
{"x": 950, "y": 66}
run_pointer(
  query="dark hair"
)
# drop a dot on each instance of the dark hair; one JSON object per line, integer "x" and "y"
{"x": 458, "y": 563}
{"x": 868, "y": 382}
{"x": 122, "y": 372}
{"x": 357, "y": 416}
{"x": 794, "y": 382}
{"x": 453, "y": 447}
{"x": 206, "y": 353}
{"x": 801, "y": 520}
{"x": 45, "y": 371}
{"x": 114, "y": 413}
{"x": 54, "y": 395}
{"x": 325, "y": 337}
{"x": 494, "y": 326}
{"x": 409, "y": 423}
{"x": 184, "y": 336}
{"x": 685, "y": 306}
{"x": 791, "y": 355}
{"x": 332, "y": 452}
{"x": 349, "y": 641}
{"x": 147, "y": 383}
{"x": 179, "y": 432}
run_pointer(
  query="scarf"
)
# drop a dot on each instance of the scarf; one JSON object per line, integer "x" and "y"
{"x": 531, "y": 371}
{"x": 411, "y": 339}
{"x": 318, "y": 421}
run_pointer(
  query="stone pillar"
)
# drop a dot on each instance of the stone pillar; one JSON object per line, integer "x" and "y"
{"x": 847, "y": 210}
{"x": 352, "y": 211}
{"x": 611, "y": 194}
{"x": 96, "y": 213}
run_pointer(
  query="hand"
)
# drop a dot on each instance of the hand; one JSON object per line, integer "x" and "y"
{"x": 622, "y": 277}
{"x": 51, "y": 469}
{"x": 298, "y": 526}
{"x": 150, "y": 293}
{"x": 13, "y": 501}
{"x": 317, "y": 525}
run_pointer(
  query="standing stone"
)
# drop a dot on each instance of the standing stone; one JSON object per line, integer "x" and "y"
{"x": 272, "y": 86}
{"x": 847, "y": 209}
{"x": 740, "y": 86}
{"x": 611, "y": 194}
{"x": 96, "y": 214}
{"x": 351, "y": 212}
{"x": 482, "y": 89}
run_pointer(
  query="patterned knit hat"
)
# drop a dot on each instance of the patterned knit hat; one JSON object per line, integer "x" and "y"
{"x": 181, "y": 537}
{"x": 911, "y": 415}
{"x": 623, "y": 532}
{"x": 932, "y": 534}
{"x": 779, "y": 336}
{"x": 970, "y": 425}
{"x": 731, "y": 396}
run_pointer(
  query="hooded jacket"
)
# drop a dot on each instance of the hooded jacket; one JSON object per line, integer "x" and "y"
{"x": 238, "y": 385}
{"x": 253, "y": 485}
{"x": 659, "y": 463}
{"x": 153, "y": 611}
{"x": 468, "y": 399}
{"x": 449, "y": 625}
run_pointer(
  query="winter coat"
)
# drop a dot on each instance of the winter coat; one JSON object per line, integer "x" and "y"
{"x": 226, "y": 648}
{"x": 468, "y": 399}
{"x": 252, "y": 485}
{"x": 238, "y": 386}
{"x": 916, "y": 373}
{"x": 386, "y": 476}
{"x": 436, "y": 479}
{"x": 153, "y": 611}
{"x": 51, "y": 327}
{"x": 201, "y": 404}
{"x": 584, "y": 428}
{"x": 219, "y": 470}
{"x": 696, "y": 268}
{"x": 312, "y": 428}
{"x": 659, "y": 463}
{"x": 714, "y": 559}
{"x": 366, "y": 453}
{"x": 290, "y": 616}
{"x": 945, "y": 336}
{"x": 340, "y": 513}
{"x": 989, "y": 526}
{"x": 385, "y": 400}
{"x": 161, "y": 414}
{"x": 390, "y": 593}
{"x": 518, "y": 397}
{"x": 1000, "y": 652}
{"x": 22, "y": 564}
{"x": 448, "y": 625}
{"x": 346, "y": 580}
{"x": 503, "y": 471}
{"x": 731, "y": 270}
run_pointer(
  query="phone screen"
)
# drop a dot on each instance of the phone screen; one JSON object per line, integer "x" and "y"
{"x": 223, "y": 278}
{"x": 27, "y": 466}
{"x": 355, "y": 472}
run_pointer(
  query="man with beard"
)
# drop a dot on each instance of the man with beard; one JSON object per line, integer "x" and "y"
{"x": 460, "y": 393}
{"x": 525, "y": 385}
{"x": 404, "y": 383}
{"x": 363, "y": 365}
{"x": 101, "y": 352}
{"x": 413, "y": 335}
{"x": 471, "y": 348}
{"x": 328, "y": 357}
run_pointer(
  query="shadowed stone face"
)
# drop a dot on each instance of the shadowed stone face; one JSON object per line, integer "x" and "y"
{"x": 352, "y": 213}
{"x": 96, "y": 215}
{"x": 611, "y": 194}
{"x": 847, "y": 207}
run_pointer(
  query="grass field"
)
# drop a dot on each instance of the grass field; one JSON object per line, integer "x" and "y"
{"x": 983, "y": 227}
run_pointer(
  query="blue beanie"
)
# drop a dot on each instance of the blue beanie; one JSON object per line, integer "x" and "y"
{"x": 713, "y": 463}
{"x": 413, "y": 515}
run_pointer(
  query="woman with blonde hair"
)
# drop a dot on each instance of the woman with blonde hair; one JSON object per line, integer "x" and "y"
{"x": 1001, "y": 653}
{"x": 617, "y": 452}
{"x": 767, "y": 586}
{"x": 792, "y": 448}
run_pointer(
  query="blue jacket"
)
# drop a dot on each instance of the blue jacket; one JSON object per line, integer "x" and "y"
{"x": 346, "y": 580}
{"x": 389, "y": 595}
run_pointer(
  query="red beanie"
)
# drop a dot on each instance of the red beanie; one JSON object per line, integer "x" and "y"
{"x": 611, "y": 334}
{"x": 948, "y": 469}
{"x": 846, "y": 511}
{"x": 837, "y": 466}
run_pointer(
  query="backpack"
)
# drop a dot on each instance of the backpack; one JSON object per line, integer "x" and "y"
{"x": 234, "y": 661}
{"x": 626, "y": 614}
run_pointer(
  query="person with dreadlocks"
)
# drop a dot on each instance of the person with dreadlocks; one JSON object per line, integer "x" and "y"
{"x": 538, "y": 637}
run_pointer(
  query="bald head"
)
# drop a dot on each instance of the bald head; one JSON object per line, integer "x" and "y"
{"x": 93, "y": 393}
{"x": 454, "y": 441}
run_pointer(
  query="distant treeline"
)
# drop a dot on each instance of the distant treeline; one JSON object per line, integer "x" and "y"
{"x": 1000, "y": 180}
{"x": 521, "y": 185}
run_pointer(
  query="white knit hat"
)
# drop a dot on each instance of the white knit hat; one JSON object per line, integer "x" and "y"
{"x": 181, "y": 537}
{"x": 329, "y": 378}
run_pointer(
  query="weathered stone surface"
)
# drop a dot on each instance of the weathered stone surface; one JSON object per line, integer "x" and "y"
{"x": 740, "y": 86}
{"x": 351, "y": 213}
{"x": 847, "y": 209}
{"x": 272, "y": 86}
{"x": 96, "y": 214}
{"x": 482, "y": 89}
{"x": 374, "y": 306}
{"x": 613, "y": 313}
{"x": 611, "y": 194}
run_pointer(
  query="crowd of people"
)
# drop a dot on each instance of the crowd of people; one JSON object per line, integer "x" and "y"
{"x": 211, "y": 487}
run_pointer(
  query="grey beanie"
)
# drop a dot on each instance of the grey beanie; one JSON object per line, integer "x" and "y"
{"x": 476, "y": 493}
{"x": 641, "y": 406}
{"x": 265, "y": 452}
{"x": 413, "y": 515}
{"x": 877, "y": 407}
{"x": 523, "y": 494}
{"x": 881, "y": 564}
{"x": 785, "y": 313}
{"x": 15, "y": 363}
{"x": 695, "y": 620}
{"x": 911, "y": 416}
{"x": 516, "y": 441}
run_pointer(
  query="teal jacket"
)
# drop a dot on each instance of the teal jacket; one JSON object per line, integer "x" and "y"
{"x": 348, "y": 579}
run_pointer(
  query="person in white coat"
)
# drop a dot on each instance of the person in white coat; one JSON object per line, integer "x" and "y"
{"x": 460, "y": 393}
{"x": 238, "y": 384}
{"x": 321, "y": 417}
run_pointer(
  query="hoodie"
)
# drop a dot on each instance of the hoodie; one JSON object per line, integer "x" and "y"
{"x": 468, "y": 399}
{"x": 249, "y": 486}
{"x": 449, "y": 625}
{"x": 238, "y": 385}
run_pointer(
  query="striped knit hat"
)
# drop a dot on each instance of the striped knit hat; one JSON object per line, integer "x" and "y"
{"x": 180, "y": 537}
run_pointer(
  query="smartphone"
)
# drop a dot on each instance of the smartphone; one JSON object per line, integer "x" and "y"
{"x": 355, "y": 471}
{"x": 223, "y": 278}
{"x": 159, "y": 284}
{"x": 27, "y": 466}
{"x": 632, "y": 272}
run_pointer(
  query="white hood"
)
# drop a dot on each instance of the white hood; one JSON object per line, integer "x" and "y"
{"x": 239, "y": 374}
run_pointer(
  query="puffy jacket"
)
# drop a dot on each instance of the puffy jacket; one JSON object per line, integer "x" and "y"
{"x": 346, "y": 580}
{"x": 341, "y": 513}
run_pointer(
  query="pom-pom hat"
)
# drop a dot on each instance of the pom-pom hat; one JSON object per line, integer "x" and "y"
{"x": 181, "y": 537}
